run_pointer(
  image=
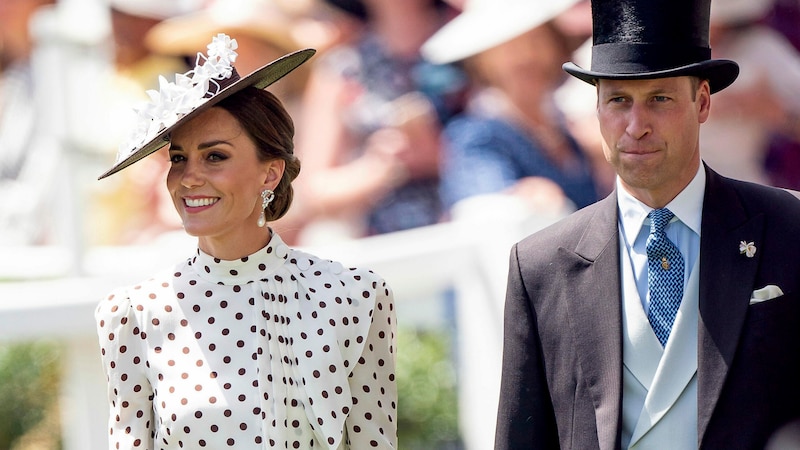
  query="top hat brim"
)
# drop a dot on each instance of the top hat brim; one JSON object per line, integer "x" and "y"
{"x": 260, "y": 79}
{"x": 720, "y": 73}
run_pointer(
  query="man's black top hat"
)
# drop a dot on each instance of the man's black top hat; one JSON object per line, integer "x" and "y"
{"x": 644, "y": 39}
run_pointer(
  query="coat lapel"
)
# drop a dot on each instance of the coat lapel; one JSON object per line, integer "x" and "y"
{"x": 596, "y": 316}
{"x": 726, "y": 281}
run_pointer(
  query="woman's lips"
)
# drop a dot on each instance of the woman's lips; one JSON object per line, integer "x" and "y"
{"x": 199, "y": 202}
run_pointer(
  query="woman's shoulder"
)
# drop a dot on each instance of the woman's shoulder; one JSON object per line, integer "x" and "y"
{"x": 477, "y": 124}
{"x": 489, "y": 133}
{"x": 326, "y": 270}
{"x": 137, "y": 295}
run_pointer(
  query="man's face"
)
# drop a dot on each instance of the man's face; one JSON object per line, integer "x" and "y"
{"x": 650, "y": 132}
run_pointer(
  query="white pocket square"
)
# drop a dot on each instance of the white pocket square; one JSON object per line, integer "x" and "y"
{"x": 766, "y": 293}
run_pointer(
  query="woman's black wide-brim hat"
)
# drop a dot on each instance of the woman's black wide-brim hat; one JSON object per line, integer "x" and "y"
{"x": 153, "y": 130}
{"x": 645, "y": 39}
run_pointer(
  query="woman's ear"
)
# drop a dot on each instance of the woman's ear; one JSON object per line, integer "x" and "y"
{"x": 274, "y": 173}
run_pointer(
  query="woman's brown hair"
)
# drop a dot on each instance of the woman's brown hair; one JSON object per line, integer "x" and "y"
{"x": 268, "y": 123}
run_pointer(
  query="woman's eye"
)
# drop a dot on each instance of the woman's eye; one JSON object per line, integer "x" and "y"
{"x": 214, "y": 156}
{"x": 176, "y": 158}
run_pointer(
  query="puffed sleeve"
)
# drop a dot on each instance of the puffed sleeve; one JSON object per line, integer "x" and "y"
{"x": 372, "y": 423}
{"x": 124, "y": 362}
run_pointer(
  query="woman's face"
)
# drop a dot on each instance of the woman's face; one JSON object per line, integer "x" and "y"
{"x": 215, "y": 181}
{"x": 527, "y": 65}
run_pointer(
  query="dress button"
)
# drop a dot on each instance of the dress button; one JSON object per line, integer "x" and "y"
{"x": 303, "y": 263}
{"x": 282, "y": 251}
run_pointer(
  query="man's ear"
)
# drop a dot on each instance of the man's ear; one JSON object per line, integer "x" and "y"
{"x": 704, "y": 101}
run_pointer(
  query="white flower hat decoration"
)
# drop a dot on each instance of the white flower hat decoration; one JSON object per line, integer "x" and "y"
{"x": 212, "y": 80}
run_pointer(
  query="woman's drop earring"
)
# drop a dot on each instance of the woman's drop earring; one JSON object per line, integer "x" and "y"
{"x": 266, "y": 197}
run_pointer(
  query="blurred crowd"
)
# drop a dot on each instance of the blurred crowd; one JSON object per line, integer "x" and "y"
{"x": 409, "y": 112}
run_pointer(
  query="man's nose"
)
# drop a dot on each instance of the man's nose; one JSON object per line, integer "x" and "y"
{"x": 639, "y": 121}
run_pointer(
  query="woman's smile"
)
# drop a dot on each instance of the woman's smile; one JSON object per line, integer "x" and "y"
{"x": 192, "y": 203}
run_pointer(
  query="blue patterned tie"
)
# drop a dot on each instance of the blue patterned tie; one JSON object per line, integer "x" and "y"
{"x": 664, "y": 275}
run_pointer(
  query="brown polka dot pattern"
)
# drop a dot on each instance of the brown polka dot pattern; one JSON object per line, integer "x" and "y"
{"x": 280, "y": 349}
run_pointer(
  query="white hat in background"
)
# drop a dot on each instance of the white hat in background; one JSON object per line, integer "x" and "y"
{"x": 484, "y": 24}
{"x": 156, "y": 9}
{"x": 725, "y": 12}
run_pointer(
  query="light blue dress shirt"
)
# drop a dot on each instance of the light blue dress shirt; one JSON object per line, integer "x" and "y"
{"x": 683, "y": 230}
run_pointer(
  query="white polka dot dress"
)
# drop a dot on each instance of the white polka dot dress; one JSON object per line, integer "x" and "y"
{"x": 280, "y": 349}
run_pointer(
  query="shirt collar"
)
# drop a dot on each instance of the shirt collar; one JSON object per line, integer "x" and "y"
{"x": 687, "y": 207}
{"x": 258, "y": 266}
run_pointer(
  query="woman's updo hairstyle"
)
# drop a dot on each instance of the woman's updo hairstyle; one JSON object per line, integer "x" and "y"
{"x": 265, "y": 119}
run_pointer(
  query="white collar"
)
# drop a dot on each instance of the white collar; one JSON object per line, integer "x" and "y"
{"x": 687, "y": 207}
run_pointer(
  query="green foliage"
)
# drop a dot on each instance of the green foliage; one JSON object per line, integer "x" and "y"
{"x": 29, "y": 374}
{"x": 427, "y": 394}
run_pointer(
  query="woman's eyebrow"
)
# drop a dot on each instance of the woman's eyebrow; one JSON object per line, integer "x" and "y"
{"x": 202, "y": 146}
{"x": 213, "y": 144}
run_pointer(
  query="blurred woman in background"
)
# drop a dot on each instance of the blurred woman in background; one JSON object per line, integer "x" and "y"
{"x": 512, "y": 138}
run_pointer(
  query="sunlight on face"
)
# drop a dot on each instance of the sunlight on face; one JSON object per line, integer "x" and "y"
{"x": 651, "y": 132}
{"x": 215, "y": 181}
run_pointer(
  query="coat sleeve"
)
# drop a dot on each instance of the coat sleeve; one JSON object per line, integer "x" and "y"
{"x": 525, "y": 417}
{"x": 131, "y": 424}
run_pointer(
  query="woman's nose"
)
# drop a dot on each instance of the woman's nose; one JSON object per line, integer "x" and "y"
{"x": 192, "y": 174}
